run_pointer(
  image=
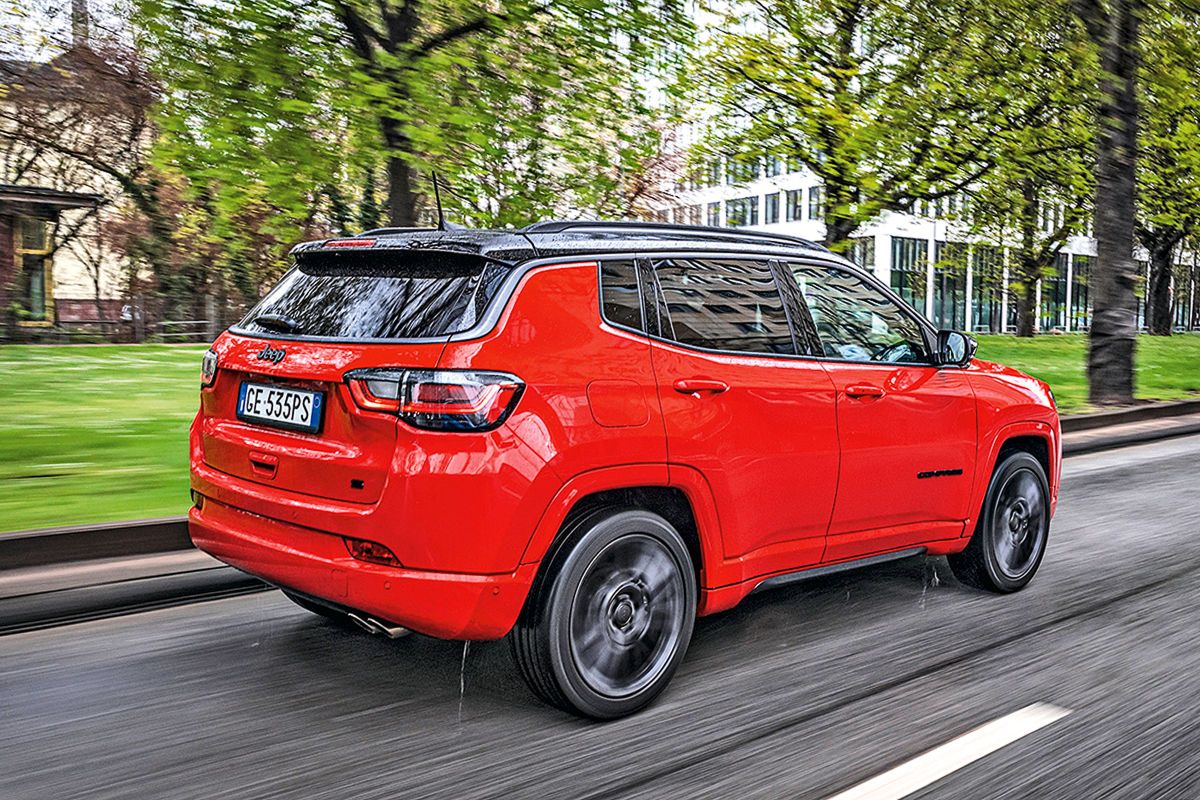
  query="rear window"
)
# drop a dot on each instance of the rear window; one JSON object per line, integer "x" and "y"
{"x": 378, "y": 295}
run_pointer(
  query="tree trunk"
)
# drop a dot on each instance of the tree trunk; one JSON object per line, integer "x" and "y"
{"x": 1114, "y": 322}
{"x": 402, "y": 197}
{"x": 1158, "y": 288}
{"x": 1028, "y": 270}
{"x": 838, "y": 229}
{"x": 1026, "y": 297}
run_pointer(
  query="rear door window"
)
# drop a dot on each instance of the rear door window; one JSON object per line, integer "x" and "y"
{"x": 378, "y": 295}
{"x": 720, "y": 304}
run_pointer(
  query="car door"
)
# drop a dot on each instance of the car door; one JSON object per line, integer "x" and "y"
{"x": 740, "y": 406}
{"x": 907, "y": 428}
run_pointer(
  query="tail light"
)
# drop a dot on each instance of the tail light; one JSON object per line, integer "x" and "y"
{"x": 438, "y": 399}
{"x": 208, "y": 369}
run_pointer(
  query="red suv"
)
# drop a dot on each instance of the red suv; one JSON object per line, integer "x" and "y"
{"x": 586, "y": 434}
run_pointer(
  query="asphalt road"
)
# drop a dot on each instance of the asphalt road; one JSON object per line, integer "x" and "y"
{"x": 800, "y": 692}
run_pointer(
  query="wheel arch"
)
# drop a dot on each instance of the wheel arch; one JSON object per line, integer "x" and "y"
{"x": 1039, "y": 439}
{"x": 683, "y": 499}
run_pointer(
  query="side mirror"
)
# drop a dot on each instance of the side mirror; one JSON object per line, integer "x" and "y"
{"x": 955, "y": 349}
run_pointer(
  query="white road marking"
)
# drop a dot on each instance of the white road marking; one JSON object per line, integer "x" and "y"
{"x": 955, "y": 754}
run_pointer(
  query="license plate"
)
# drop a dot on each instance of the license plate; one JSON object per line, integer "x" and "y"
{"x": 280, "y": 407}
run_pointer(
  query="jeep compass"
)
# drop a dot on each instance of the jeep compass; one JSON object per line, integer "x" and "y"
{"x": 583, "y": 435}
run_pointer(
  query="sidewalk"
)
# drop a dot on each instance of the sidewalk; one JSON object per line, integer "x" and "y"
{"x": 1089, "y": 441}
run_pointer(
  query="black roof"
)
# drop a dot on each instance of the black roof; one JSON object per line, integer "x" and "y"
{"x": 572, "y": 238}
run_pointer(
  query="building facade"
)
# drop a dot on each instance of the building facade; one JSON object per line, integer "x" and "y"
{"x": 926, "y": 254}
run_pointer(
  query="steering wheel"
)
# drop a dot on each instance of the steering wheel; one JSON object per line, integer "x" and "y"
{"x": 892, "y": 352}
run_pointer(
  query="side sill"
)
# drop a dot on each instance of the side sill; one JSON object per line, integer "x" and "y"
{"x": 831, "y": 569}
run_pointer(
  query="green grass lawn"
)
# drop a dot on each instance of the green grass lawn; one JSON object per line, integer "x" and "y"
{"x": 99, "y": 433}
{"x": 95, "y": 433}
{"x": 1168, "y": 368}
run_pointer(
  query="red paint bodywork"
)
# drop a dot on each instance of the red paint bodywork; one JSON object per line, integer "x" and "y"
{"x": 784, "y": 470}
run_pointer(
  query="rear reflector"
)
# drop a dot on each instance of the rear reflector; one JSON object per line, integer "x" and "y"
{"x": 374, "y": 552}
{"x": 440, "y": 400}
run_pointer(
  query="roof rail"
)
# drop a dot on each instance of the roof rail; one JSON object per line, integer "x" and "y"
{"x": 633, "y": 228}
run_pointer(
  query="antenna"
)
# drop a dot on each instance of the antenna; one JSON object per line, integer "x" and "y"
{"x": 437, "y": 196}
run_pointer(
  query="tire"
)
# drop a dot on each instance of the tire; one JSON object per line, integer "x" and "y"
{"x": 338, "y": 618}
{"x": 1010, "y": 538}
{"x": 610, "y": 616}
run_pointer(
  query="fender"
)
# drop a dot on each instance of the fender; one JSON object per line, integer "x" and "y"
{"x": 629, "y": 476}
{"x": 625, "y": 476}
{"x": 1040, "y": 428}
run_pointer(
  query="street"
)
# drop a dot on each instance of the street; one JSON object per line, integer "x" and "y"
{"x": 803, "y": 691}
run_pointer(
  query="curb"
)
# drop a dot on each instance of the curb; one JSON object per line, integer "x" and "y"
{"x": 1121, "y": 416}
{"x": 39, "y": 548}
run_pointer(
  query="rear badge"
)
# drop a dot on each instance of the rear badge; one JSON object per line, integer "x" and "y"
{"x": 274, "y": 356}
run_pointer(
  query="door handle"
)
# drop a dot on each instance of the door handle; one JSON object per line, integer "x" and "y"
{"x": 863, "y": 390}
{"x": 699, "y": 385}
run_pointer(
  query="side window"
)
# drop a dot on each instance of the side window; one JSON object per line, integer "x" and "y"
{"x": 722, "y": 305}
{"x": 855, "y": 321}
{"x": 619, "y": 296}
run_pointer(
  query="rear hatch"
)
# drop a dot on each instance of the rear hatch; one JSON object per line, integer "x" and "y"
{"x": 279, "y": 412}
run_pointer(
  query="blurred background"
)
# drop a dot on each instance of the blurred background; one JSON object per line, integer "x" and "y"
{"x": 1025, "y": 170}
{"x": 1013, "y": 169}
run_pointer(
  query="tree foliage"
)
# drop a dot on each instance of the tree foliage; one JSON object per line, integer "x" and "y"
{"x": 1038, "y": 193}
{"x": 1168, "y": 157}
{"x": 292, "y": 112}
{"x": 886, "y": 101}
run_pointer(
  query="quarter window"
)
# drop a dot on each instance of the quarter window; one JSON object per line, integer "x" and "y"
{"x": 722, "y": 305}
{"x": 619, "y": 294}
{"x": 855, "y": 321}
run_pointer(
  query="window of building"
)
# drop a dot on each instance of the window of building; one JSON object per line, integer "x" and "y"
{"x": 714, "y": 172}
{"x": 771, "y": 209}
{"x": 856, "y": 321}
{"x": 1054, "y": 295}
{"x": 795, "y": 205}
{"x": 742, "y": 170}
{"x": 620, "y": 299}
{"x": 751, "y": 316}
{"x": 774, "y": 166}
{"x": 695, "y": 215}
{"x": 1081, "y": 309}
{"x": 742, "y": 211}
{"x": 714, "y": 214}
{"x": 34, "y": 280}
{"x": 816, "y": 202}
{"x": 909, "y": 260}
{"x": 862, "y": 252}
{"x": 950, "y": 285}
{"x": 987, "y": 277}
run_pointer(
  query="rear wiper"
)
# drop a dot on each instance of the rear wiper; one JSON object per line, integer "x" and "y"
{"x": 277, "y": 322}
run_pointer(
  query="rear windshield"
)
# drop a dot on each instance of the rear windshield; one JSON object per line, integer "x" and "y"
{"x": 378, "y": 295}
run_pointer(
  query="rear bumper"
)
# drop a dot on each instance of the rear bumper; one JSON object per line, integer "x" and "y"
{"x": 441, "y": 604}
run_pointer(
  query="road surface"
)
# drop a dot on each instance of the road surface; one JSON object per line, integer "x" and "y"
{"x": 806, "y": 691}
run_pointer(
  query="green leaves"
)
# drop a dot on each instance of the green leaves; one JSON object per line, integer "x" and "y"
{"x": 273, "y": 111}
{"x": 887, "y": 102}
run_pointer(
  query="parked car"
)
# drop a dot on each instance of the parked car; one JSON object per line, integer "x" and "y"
{"x": 583, "y": 435}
